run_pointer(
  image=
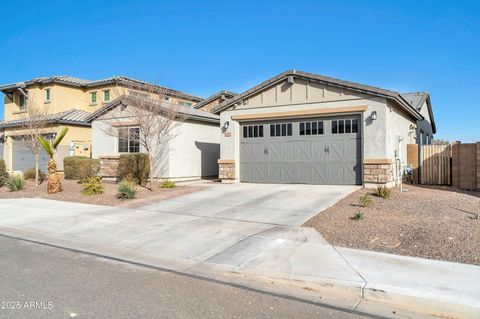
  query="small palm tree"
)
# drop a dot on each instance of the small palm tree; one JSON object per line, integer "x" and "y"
{"x": 53, "y": 183}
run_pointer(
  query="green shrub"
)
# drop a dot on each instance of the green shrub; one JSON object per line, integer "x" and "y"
{"x": 134, "y": 167}
{"x": 3, "y": 173}
{"x": 168, "y": 184}
{"x": 126, "y": 190}
{"x": 365, "y": 200}
{"x": 16, "y": 183}
{"x": 80, "y": 167}
{"x": 30, "y": 174}
{"x": 383, "y": 192}
{"x": 3, "y": 170}
{"x": 358, "y": 216}
{"x": 92, "y": 186}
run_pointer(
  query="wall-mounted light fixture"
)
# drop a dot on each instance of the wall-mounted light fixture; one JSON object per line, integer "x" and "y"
{"x": 374, "y": 115}
{"x": 226, "y": 125}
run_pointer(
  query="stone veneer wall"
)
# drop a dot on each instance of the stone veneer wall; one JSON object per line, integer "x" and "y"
{"x": 108, "y": 166}
{"x": 377, "y": 172}
{"x": 226, "y": 169}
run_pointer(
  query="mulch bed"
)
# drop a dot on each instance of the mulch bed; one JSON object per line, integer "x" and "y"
{"x": 72, "y": 193}
{"x": 428, "y": 222}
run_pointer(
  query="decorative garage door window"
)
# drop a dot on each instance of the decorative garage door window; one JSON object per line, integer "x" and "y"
{"x": 128, "y": 140}
{"x": 310, "y": 128}
{"x": 284, "y": 129}
{"x": 252, "y": 131}
{"x": 344, "y": 126}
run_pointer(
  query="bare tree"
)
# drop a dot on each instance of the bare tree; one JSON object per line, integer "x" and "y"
{"x": 144, "y": 108}
{"x": 34, "y": 125}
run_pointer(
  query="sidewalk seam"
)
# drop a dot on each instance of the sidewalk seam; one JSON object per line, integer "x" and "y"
{"x": 362, "y": 291}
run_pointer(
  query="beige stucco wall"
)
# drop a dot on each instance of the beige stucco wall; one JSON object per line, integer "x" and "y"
{"x": 400, "y": 132}
{"x": 64, "y": 98}
{"x": 79, "y": 134}
{"x": 192, "y": 152}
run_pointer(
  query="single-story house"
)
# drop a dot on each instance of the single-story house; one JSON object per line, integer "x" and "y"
{"x": 299, "y": 127}
{"x": 192, "y": 151}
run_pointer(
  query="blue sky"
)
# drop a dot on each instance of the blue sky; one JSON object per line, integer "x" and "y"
{"x": 203, "y": 46}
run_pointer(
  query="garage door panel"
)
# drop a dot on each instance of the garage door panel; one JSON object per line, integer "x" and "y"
{"x": 23, "y": 158}
{"x": 305, "y": 155}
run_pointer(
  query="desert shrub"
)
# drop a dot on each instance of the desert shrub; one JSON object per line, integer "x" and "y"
{"x": 80, "y": 167}
{"x": 365, "y": 200}
{"x": 30, "y": 174}
{"x": 3, "y": 173}
{"x": 16, "y": 183}
{"x": 383, "y": 192}
{"x": 167, "y": 184}
{"x": 92, "y": 186}
{"x": 126, "y": 190}
{"x": 3, "y": 170}
{"x": 358, "y": 216}
{"x": 134, "y": 167}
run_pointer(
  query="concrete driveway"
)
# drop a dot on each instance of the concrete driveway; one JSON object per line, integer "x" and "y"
{"x": 279, "y": 204}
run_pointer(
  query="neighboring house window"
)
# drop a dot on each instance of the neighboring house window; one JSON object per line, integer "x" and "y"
{"x": 106, "y": 95}
{"x": 185, "y": 103}
{"x": 424, "y": 138}
{"x": 253, "y": 131}
{"x": 311, "y": 128}
{"x": 284, "y": 129}
{"x": 22, "y": 102}
{"x": 138, "y": 94}
{"x": 48, "y": 95}
{"x": 128, "y": 140}
{"x": 93, "y": 97}
{"x": 344, "y": 126}
{"x": 166, "y": 98}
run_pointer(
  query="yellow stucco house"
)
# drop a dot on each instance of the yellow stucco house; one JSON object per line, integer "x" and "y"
{"x": 64, "y": 101}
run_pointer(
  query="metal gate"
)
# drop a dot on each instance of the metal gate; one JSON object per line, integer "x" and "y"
{"x": 323, "y": 150}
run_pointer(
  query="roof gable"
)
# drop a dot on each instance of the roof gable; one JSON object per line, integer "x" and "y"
{"x": 335, "y": 85}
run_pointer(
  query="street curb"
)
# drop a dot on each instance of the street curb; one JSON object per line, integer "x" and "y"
{"x": 195, "y": 276}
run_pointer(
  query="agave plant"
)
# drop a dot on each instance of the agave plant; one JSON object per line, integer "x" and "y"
{"x": 53, "y": 183}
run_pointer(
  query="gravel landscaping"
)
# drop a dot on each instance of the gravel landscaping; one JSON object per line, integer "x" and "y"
{"x": 428, "y": 222}
{"x": 72, "y": 193}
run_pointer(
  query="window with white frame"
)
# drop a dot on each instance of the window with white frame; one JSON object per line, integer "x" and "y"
{"x": 310, "y": 128}
{"x": 252, "y": 131}
{"x": 22, "y": 102}
{"x": 128, "y": 140}
{"x": 48, "y": 95}
{"x": 284, "y": 129}
{"x": 93, "y": 97}
{"x": 106, "y": 95}
{"x": 344, "y": 126}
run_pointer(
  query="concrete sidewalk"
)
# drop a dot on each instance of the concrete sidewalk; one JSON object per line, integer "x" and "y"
{"x": 287, "y": 260}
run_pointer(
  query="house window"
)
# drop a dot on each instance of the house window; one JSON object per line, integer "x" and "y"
{"x": 310, "y": 128}
{"x": 93, "y": 97}
{"x": 252, "y": 131}
{"x": 48, "y": 95}
{"x": 128, "y": 140}
{"x": 185, "y": 103}
{"x": 106, "y": 95}
{"x": 166, "y": 98}
{"x": 344, "y": 126}
{"x": 22, "y": 102}
{"x": 284, "y": 129}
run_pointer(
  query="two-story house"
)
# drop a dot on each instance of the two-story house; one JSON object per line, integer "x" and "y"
{"x": 64, "y": 101}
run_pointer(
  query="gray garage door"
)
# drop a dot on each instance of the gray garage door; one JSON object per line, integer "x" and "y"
{"x": 323, "y": 150}
{"x": 23, "y": 158}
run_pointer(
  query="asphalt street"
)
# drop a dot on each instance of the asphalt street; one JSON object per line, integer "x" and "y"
{"x": 38, "y": 281}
